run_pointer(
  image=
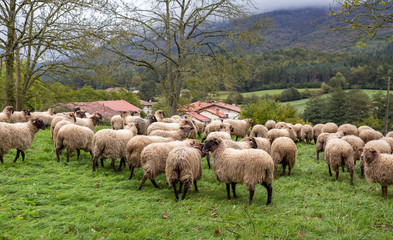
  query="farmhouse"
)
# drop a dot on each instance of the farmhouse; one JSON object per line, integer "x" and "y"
{"x": 147, "y": 106}
{"x": 213, "y": 110}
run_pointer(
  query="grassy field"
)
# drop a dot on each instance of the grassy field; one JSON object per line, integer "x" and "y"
{"x": 44, "y": 199}
{"x": 223, "y": 94}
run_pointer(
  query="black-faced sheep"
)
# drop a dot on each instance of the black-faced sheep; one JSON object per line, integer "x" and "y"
{"x": 262, "y": 143}
{"x": 20, "y": 116}
{"x": 306, "y": 134}
{"x": 247, "y": 166}
{"x": 339, "y": 153}
{"x": 270, "y": 124}
{"x": 19, "y": 136}
{"x": 317, "y": 129}
{"x": 259, "y": 131}
{"x": 369, "y": 135}
{"x": 5, "y": 115}
{"x": 143, "y": 123}
{"x": 240, "y": 127}
{"x": 330, "y": 127}
{"x": 159, "y": 114}
{"x": 348, "y": 129}
{"x": 378, "y": 168}
{"x": 283, "y": 151}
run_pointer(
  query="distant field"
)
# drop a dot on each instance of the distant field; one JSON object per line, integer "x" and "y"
{"x": 224, "y": 94}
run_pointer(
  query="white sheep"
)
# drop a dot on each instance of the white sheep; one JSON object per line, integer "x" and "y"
{"x": 47, "y": 116}
{"x": 240, "y": 127}
{"x": 5, "y": 115}
{"x": 20, "y": 116}
{"x": 283, "y": 151}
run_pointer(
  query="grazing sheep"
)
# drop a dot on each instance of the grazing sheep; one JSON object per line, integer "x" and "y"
{"x": 348, "y": 129}
{"x": 68, "y": 117}
{"x": 270, "y": 124}
{"x": 109, "y": 143}
{"x": 73, "y": 137}
{"x": 262, "y": 143}
{"x": 298, "y": 127}
{"x": 357, "y": 143}
{"x": 317, "y": 129}
{"x": 19, "y": 136}
{"x": 216, "y": 126}
{"x": 306, "y": 134}
{"x": 47, "y": 116}
{"x": 322, "y": 140}
{"x": 283, "y": 151}
{"x": 280, "y": 125}
{"x": 362, "y": 128}
{"x": 378, "y": 168}
{"x": 162, "y": 126}
{"x": 134, "y": 149}
{"x": 184, "y": 165}
{"x": 5, "y": 115}
{"x": 369, "y": 135}
{"x": 180, "y": 134}
{"x": 380, "y": 145}
{"x": 259, "y": 131}
{"x": 240, "y": 127}
{"x": 117, "y": 122}
{"x": 339, "y": 153}
{"x": 276, "y": 133}
{"x": 389, "y": 140}
{"x": 154, "y": 156}
{"x": 90, "y": 122}
{"x": 159, "y": 114}
{"x": 20, "y": 116}
{"x": 247, "y": 166}
{"x": 330, "y": 127}
{"x": 143, "y": 123}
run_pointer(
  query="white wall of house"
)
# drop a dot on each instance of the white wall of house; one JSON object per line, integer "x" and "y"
{"x": 231, "y": 114}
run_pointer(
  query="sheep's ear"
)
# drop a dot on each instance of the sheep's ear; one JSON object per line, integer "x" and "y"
{"x": 360, "y": 150}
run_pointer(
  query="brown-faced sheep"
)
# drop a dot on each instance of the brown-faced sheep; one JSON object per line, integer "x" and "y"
{"x": 306, "y": 134}
{"x": 283, "y": 151}
{"x": 247, "y": 166}
{"x": 20, "y": 116}
{"x": 348, "y": 129}
{"x": 339, "y": 153}
{"x": 5, "y": 115}
{"x": 259, "y": 131}
{"x": 180, "y": 134}
{"x": 270, "y": 124}
{"x": 262, "y": 143}
{"x": 159, "y": 114}
{"x": 68, "y": 117}
{"x": 378, "y": 168}
{"x": 90, "y": 122}
{"x": 73, "y": 137}
{"x": 276, "y": 133}
{"x": 369, "y": 135}
{"x": 154, "y": 156}
{"x": 47, "y": 116}
{"x": 330, "y": 127}
{"x": 109, "y": 143}
{"x": 298, "y": 127}
{"x": 19, "y": 136}
{"x": 317, "y": 129}
{"x": 240, "y": 127}
{"x": 184, "y": 165}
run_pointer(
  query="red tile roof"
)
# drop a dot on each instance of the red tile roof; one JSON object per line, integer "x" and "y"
{"x": 216, "y": 112}
{"x": 120, "y": 105}
{"x": 146, "y": 103}
{"x": 199, "y": 117}
{"x": 198, "y": 106}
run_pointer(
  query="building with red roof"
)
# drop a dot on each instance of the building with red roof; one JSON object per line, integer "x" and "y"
{"x": 147, "y": 106}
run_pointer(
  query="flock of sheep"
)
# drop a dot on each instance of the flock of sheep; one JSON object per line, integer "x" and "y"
{"x": 168, "y": 145}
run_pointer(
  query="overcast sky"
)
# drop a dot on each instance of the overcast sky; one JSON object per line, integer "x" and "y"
{"x": 272, "y": 5}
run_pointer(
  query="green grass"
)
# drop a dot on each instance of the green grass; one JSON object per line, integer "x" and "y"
{"x": 41, "y": 198}
{"x": 224, "y": 94}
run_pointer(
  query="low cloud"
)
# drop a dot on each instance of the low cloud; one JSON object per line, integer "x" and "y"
{"x": 272, "y": 5}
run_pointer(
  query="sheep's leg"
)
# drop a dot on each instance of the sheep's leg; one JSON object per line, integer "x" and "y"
{"x": 284, "y": 166}
{"x": 337, "y": 172}
{"x": 234, "y": 189}
{"x": 78, "y": 152}
{"x": 330, "y": 171}
{"x": 143, "y": 182}
{"x": 23, "y": 155}
{"x": 351, "y": 173}
{"x": 102, "y": 162}
{"x": 251, "y": 196}
{"x": 174, "y": 183}
{"x": 362, "y": 171}
{"x": 68, "y": 154}
{"x": 131, "y": 171}
{"x": 95, "y": 163}
{"x": 208, "y": 159}
{"x": 17, "y": 155}
{"x": 186, "y": 187}
{"x": 237, "y": 138}
{"x": 385, "y": 192}
{"x": 122, "y": 161}
{"x": 275, "y": 172}
{"x": 1, "y": 157}
{"x": 289, "y": 170}
{"x": 58, "y": 155}
{"x": 113, "y": 164}
{"x": 317, "y": 155}
{"x": 269, "y": 189}
{"x": 228, "y": 191}
{"x": 195, "y": 186}
{"x": 180, "y": 187}
{"x": 154, "y": 183}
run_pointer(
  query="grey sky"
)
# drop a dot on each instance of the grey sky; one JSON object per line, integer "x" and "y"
{"x": 272, "y": 5}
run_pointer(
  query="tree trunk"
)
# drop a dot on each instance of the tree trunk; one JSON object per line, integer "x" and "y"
{"x": 385, "y": 129}
{"x": 9, "y": 58}
{"x": 18, "y": 80}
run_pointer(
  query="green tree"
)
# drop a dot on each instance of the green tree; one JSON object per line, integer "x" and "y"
{"x": 148, "y": 90}
{"x": 290, "y": 94}
{"x": 338, "y": 81}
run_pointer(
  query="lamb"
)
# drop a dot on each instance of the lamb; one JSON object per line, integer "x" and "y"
{"x": 73, "y": 137}
{"x": 134, "y": 149}
{"x": 240, "y": 127}
{"x": 19, "y": 136}
{"x": 270, "y": 124}
{"x": 317, "y": 129}
{"x": 20, "y": 116}
{"x": 184, "y": 165}
{"x": 143, "y": 123}
{"x": 47, "y": 116}
{"x": 369, "y": 135}
{"x": 329, "y": 127}
{"x": 90, "y": 122}
{"x": 159, "y": 114}
{"x": 297, "y": 127}
{"x": 180, "y": 134}
{"x": 306, "y": 134}
{"x": 339, "y": 153}
{"x": 259, "y": 131}
{"x": 5, "y": 115}
{"x": 378, "y": 168}
{"x": 274, "y": 133}
{"x": 348, "y": 129}
{"x": 283, "y": 151}
{"x": 154, "y": 156}
{"x": 262, "y": 143}
{"x": 68, "y": 117}
{"x": 247, "y": 166}
{"x": 109, "y": 143}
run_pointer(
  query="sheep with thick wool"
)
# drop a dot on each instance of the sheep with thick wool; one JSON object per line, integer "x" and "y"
{"x": 67, "y": 117}
{"x": 348, "y": 129}
{"x": 47, "y": 116}
{"x": 20, "y": 116}
{"x": 159, "y": 114}
{"x": 154, "y": 156}
{"x": 90, "y": 122}
{"x": 369, "y": 135}
{"x": 330, "y": 127}
{"x": 322, "y": 141}
{"x": 184, "y": 165}
{"x": 259, "y": 131}
{"x": 270, "y": 124}
{"x": 167, "y": 126}
{"x": 298, "y": 128}
{"x": 220, "y": 135}
{"x": 339, "y": 153}
{"x": 317, "y": 129}
{"x": 274, "y": 133}
{"x": 362, "y": 128}
{"x": 73, "y": 137}
{"x": 306, "y": 134}
{"x": 246, "y": 166}
{"x": 182, "y": 133}
{"x": 262, "y": 143}
{"x": 283, "y": 151}
{"x": 389, "y": 140}
{"x": 5, "y": 115}
{"x": 240, "y": 127}
{"x": 143, "y": 123}
{"x": 19, "y": 136}
{"x": 357, "y": 144}
{"x": 217, "y": 126}
{"x": 378, "y": 167}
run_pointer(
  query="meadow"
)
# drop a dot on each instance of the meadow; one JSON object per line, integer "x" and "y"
{"x": 45, "y": 199}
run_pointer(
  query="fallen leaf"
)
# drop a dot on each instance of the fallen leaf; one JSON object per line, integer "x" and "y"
{"x": 68, "y": 231}
{"x": 217, "y": 231}
{"x": 164, "y": 216}
{"x": 97, "y": 205}
{"x": 162, "y": 204}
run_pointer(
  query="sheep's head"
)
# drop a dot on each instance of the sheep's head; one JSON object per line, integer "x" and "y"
{"x": 38, "y": 123}
{"x": 76, "y": 109}
{"x": 95, "y": 119}
{"x": 186, "y": 129}
{"x": 125, "y": 114}
{"x": 26, "y": 112}
{"x": 369, "y": 154}
{"x": 251, "y": 140}
{"x": 250, "y": 121}
{"x": 151, "y": 118}
{"x": 71, "y": 116}
{"x": 80, "y": 114}
{"x": 211, "y": 145}
{"x": 224, "y": 127}
{"x": 51, "y": 111}
{"x": 98, "y": 115}
{"x": 9, "y": 109}
{"x": 160, "y": 113}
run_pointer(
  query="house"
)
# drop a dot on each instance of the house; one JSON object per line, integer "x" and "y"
{"x": 147, "y": 106}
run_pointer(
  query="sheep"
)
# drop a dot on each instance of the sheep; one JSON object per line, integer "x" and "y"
{"x": 378, "y": 168}
{"x": 221, "y": 135}
{"x": 143, "y": 123}
{"x": 117, "y": 122}
{"x": 170, "y": 126}
{"x": 5, "y": 115}
{"x": 180, "y": 134}
{"x": 154, "y": 156}
{"x": 380, "y": 145}
{"x": 357, "y": 143}
{"x": 322, "y": 140}
{"x": 19, "y": 136}
{"x": 348, "y": 129}
{"x": 259, "y": 131}
{"x": 20, "y": 116}
{"x": 280, "y": 125}
{"x": 339, "y": 153}
{"x": 200, "y": 126}
{"x": 389, "y": 134}
{"x": 291, "y": 131}
{"x": 329, "y": 127}
{"x": 47, "y": 116}
{"x": 362, "y": 128}
{"x": 73, "y": 137}
{"x": 306, "y": 133}
{"x": 68, "y": 117}
{"x": 217, "y": 126}
{"x": 247, "y": 166}
{"x": 134, "y": 149}
{"x": 240, "y": 127}
{"x": 270, "y": 124}
{"x": 159, "y": 114}
{"x": 90, "y": 122}
{"x": 283, "y": 151}
{"x": 389, "y": 140}
{"x": 369, "y": 135}
{"x": 173, "y": 119}
{"x": 80, "y": 114}
{"x": 276, "y": 133}
{"x": 109, "y": 143}
{"x": 57, "y": 128}
{"x": 184, "y": 164}
{"x": 297, "y": 127}
{"x": 262, "y": 143}
{"x": 317, "y": 129}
